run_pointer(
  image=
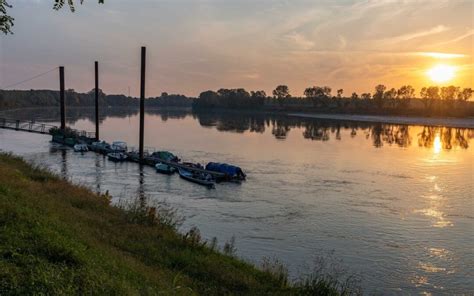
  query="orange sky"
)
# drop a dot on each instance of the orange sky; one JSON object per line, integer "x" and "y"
{"x": 199, "y": 45}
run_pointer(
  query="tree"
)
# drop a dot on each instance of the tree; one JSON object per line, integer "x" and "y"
{"x": 339, "y": 93}
{"x": 465, "y": 94}
{"x": 259, "y": 96}
{"x": 449, "y": 93}
{"x": 378, "y": 95}
{"x": 354, "y": 96}
{"x": 281, "y": 91}
{"x": 433, "y": 92}
{"x": 6, "y": 21}
{"x": 405, "y": 94}
{"x": 366, "y": 96}
{"x": 58, "y": 4}
{"x": 429, "y": 95}
{"x": 318, "y": 92}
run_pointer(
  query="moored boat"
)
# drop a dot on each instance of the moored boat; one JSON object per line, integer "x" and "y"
{"x": 100, "y": 146}
{"x": 117, "y": 156}
{"x": 232, "y": 172}
{"x": 164, "y": 168}
{"x": 196, "y": 177}
{"x": 81, "y": 148}
{"x": 118, "y": 146}
{"x": 165, "y": 155}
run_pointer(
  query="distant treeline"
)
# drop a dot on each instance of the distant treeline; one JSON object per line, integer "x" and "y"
{"x": 32, "y": 98}
{"x": 433, "y": 100}
{"x": 430, "y": 101}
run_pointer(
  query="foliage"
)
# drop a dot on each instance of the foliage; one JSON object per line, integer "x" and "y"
{"x": 58, "y": 4}
{"x": 6, "y": 21}
{"x": 59, "y": 239}
{"x": 230, "y": 98}
{"x": 281, "y": 91}
{"x": 43, "y": 98}
{"x": 330, "y": 278}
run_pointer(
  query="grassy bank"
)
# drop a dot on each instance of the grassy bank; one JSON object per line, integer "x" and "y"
{"x": 58, "y": 238}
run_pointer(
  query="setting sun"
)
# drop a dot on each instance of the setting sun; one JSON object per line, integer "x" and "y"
{"x": 441, "y": 73}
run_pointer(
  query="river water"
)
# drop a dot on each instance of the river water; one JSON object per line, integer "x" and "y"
{"x": 393, "y": 202}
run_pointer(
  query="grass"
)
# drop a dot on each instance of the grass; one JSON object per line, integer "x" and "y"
{"x": 58, "y": 238}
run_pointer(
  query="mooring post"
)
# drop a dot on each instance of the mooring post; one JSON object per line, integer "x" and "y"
{"x": 96, "y": 100}
{"x": 61, "y": 97}
{"x": 142, "y": 102}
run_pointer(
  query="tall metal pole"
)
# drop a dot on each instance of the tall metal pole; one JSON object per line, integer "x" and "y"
{"x": 96, "y": 100}
{"x": 142, "y": 102}
{"x": 61, "y": 98}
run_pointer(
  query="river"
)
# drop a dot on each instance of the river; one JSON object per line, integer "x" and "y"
{"x": 393, "y": 202}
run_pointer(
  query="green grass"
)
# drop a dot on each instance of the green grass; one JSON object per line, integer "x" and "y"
{"x": 58, "y": 238}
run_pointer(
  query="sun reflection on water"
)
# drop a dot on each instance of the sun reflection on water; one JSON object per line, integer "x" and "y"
{"x": 437, "y": 144}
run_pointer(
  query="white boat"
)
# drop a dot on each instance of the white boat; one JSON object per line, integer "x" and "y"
{"x": 81, "y": 148}
{"x": 118, "y": 146}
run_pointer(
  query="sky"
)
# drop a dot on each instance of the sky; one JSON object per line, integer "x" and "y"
{"x": 193, "y": 46}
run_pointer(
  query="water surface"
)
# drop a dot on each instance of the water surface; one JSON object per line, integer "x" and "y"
{"x": 394, "y": 202}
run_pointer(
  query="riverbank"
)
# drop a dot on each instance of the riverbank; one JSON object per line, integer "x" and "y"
{"x": 445, "y": 122}
{"x": 59, "y": 238}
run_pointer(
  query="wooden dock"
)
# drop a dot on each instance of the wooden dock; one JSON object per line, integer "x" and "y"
{"x": 36, "y": 127}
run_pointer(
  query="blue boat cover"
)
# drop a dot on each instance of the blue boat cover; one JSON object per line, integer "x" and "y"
{"x": 225, "y": 168}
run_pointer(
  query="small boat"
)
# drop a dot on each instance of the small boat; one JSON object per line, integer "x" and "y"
{"x": 80, "y": 148}
{"x": 117, "y": 156}
{"x": 101, "y": 147}
{"x": 198, "y": 178}
{"x": 118, "y": 146}
{"x": 164, "y": 168}
{"x": 232, "y": 172}
{"x": 165, "y": 155}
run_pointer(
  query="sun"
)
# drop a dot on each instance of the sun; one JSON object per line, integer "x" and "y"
{"x": 441, "y": 73}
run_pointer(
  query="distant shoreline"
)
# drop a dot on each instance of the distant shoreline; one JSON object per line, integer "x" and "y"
{"x": 447, "y": 122}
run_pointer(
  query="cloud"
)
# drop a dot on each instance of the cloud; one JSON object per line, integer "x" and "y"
{"x": 299, "y": 41}
{"x": 419, "y": 34}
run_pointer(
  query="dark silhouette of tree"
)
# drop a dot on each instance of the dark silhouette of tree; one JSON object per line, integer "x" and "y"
{"x": 404, "y": 95}
{"x": 6, "y": 21}
{"x": 389, "y": 96}
{"x": 366, "y": 96}
{"x": 378, "y": 95}
{"x": 281, "y": 92}
{"x": 318, "y": 94}
{"x": 258, "y": 96}
{"x": 58, "y": 4}
{"x": 465, "y": 94}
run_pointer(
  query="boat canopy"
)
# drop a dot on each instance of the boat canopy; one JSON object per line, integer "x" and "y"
{"x": 165, "y": 155}
{"x": 225, "y": 168}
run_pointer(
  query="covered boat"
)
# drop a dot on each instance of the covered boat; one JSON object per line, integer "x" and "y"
{"x": 231, "y": 171}
{"x": 198, "y": 178}
{"x": 164, "y": 168}
{"x": 165, "y": 155}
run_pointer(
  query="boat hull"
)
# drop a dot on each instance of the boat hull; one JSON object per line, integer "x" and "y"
{"x": 186, "y": 176}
